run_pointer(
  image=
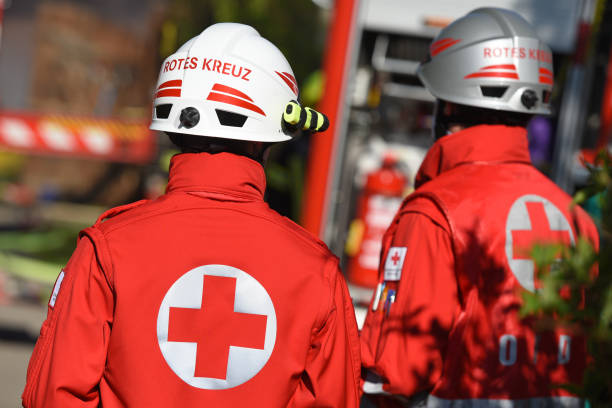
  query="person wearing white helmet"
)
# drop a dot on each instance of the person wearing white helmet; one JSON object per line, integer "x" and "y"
{"x": 443, "y": 328}
{"x": 204, "y": 296}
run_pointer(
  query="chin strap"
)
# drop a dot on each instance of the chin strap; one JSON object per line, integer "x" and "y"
{"x": 296, "y": 118}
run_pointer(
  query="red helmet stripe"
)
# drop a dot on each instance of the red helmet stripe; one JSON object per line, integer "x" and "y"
{"x": 168, "y": 92}
{"x": 288, "y": 75}
{"x": 546, "y": 76}
{"x": 437, "y": 48}
{"x": 289, "y": 83}
{"x": 546, "y": 80}
{"x": 217, "y": 97}
{"x": 168, "y": 84}
{"x": 510, "y": 75}
{"x": 229, "y": 90}
{"x": 545, "y": 71}
{"x": 502, "y": 66}
{"x": 440, "y": 42}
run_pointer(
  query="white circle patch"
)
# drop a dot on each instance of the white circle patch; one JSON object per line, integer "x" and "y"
{"x": 216, "y": 327}
{"x": 533, "y": 220}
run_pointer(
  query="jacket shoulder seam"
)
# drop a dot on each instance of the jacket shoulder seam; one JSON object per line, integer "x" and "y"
{"x": 118, "y": 210}
{"x": 103, "y": 255}
{"x": 276, "y": 220}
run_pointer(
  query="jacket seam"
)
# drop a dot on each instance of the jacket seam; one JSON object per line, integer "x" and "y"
{"x": 59, "y": 306}
{"x": 356, "y": 374}
{"x": 454, "y": 237}
{"x": 107, "y": 231}
{"x": 445, "y": 228}
{"x": 329, "y": 278}
{"x": 103, "y": 255}
{"x": 441, "y": 206}
{"x": 318, "y": 324}
{"x": 198, "y": 189}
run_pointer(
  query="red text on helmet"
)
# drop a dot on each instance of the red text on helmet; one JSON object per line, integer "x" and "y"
{"x": 226, "y": 68}
{"x": 518, "y": 52}
{"x": 208, "y": 64}
{"x": 181, "y": 63}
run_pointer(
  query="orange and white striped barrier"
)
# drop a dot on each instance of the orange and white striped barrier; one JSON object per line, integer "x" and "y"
{"x": 106, "y": 139}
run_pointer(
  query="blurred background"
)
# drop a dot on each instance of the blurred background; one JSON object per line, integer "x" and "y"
{"x": 76, "y": 86}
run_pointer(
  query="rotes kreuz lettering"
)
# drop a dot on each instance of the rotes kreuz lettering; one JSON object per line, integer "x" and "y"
{"x": 208, "y": 64}
{"x": 518, "y": 52}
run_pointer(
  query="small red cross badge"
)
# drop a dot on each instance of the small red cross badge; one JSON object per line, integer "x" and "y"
{"x": 395, "y": 258}
{"x": 532, "y": 220}
{"x": 216, "y": 327}
{"x": 394, "y": 263}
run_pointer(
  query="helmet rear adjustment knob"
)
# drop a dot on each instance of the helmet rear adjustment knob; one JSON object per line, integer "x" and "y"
{"x": 189, "y": 117}
{"x": 529, "y": 98}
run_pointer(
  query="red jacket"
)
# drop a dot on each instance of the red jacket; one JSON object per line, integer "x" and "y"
{"x": 454, "y": 263}
{"x": 203, "y": 297}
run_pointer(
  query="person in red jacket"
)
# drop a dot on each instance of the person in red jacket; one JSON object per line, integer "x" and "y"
{"x": 443, "y": 328}
{"x": 205, "y": 296}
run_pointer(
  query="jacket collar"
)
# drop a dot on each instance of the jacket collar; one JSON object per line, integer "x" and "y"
{"x": 478, "y": 144}
{"x": 220, "y": 173}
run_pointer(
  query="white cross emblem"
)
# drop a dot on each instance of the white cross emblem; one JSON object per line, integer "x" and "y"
{"x": 216, "y": 327}
{"x": 533, "y": 220}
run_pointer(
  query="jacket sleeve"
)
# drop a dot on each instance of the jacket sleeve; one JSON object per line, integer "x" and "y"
{"x": 331, "y": 376}
{"x": 403, "y": 343}
{"x": 69, "y": 357}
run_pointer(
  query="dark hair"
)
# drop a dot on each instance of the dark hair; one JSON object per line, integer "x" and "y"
{"x": 468, "y": 116}
{"x": 202, "y": 144}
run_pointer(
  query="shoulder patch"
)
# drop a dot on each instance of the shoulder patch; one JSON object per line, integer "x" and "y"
{"x": 394, "y": 263}
{"x": 118, "y": 210}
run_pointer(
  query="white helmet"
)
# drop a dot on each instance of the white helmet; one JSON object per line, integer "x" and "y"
{"x": 490, "y": 58}
{"x": 228, "y": 82}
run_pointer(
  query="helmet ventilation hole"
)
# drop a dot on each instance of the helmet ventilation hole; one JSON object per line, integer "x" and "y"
{"x": 230, "y": 118}
{"x": 493, "y": 91}
{"x": 163, "y": 111}
{"x": 189, "y": 117}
